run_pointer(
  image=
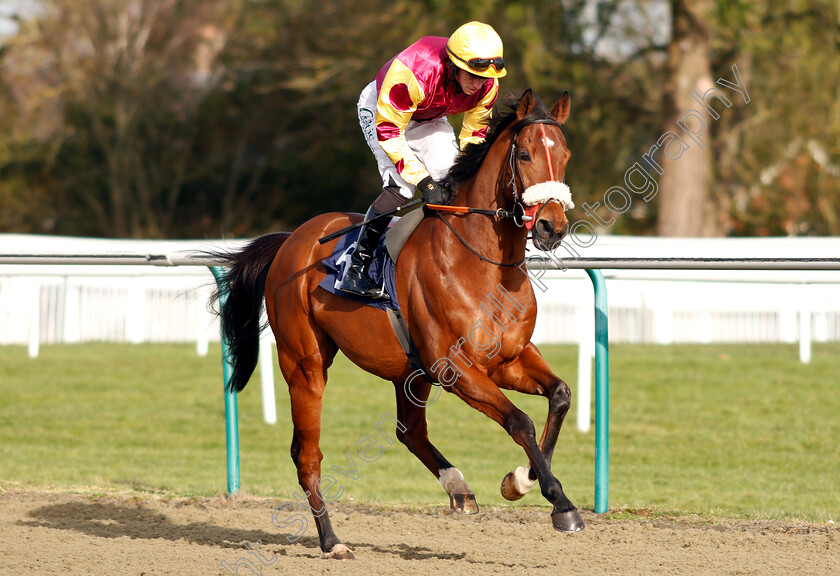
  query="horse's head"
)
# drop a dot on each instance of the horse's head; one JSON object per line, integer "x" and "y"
{"x": 520, "y": 167}
{"x": 536, "y": 170}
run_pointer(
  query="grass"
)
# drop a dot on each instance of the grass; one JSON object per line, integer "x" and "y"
{"x": 741, "y": 431}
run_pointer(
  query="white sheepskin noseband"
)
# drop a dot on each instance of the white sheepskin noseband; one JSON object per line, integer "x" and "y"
{"x": 546, "y": 192}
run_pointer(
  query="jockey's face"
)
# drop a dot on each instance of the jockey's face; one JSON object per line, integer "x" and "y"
{"x": 469, "y": 83}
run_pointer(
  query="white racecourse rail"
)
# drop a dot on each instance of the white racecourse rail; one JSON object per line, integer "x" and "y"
{"x": 58, "y": 303}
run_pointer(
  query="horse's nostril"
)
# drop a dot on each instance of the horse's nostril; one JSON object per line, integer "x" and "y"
{"x": 545, "y": 227}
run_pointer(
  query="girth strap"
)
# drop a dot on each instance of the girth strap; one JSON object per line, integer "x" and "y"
{"x": 407, "y": 343}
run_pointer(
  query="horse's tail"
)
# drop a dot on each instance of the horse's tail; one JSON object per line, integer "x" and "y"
{"x": 240, "y": 303}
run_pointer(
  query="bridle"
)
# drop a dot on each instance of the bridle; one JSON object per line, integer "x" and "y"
{"x": 518, "y": 213}
{"x": 515, "y": 172}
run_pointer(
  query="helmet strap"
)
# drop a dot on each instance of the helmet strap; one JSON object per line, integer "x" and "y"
{"x": 453, "y": 71}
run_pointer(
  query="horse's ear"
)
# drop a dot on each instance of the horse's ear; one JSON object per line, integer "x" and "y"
{"x": 560, "y": 112}
{"x": 527, "y": 103}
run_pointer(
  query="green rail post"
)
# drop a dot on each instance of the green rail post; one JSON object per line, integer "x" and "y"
{"x": 602, "y": 393}
{"x": 231, "y": 411}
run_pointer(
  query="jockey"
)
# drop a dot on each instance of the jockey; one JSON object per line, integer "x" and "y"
{"x": 403, "y": 115}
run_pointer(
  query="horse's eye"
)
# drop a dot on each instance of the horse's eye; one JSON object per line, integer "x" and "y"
{"x": 524, "y": 156}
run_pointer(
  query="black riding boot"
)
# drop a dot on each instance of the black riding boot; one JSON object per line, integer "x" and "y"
{"x": 356, "y": 280}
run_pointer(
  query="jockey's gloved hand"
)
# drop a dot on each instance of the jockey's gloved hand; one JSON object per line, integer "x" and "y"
{"x": 434, "y": 193}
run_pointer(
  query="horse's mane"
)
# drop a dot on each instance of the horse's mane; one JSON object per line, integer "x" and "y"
{"x": 472, "y": 156}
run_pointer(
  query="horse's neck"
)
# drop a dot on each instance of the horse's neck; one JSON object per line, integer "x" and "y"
{"x": 484, "y": 284}
{"x": 495, "y": 239}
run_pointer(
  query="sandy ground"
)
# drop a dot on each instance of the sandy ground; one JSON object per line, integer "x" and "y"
{"x": 68, "y": 534}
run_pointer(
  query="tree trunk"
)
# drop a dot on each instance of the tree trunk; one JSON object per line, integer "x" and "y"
{"x": 684, "y": 208}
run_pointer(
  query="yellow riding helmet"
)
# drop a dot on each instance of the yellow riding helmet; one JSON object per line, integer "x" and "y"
{"x": 476, "y": 48}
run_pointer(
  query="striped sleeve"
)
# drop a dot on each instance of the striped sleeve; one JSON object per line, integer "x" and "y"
{"x": 474, "y": 128}
{"x": 398, "y": 99}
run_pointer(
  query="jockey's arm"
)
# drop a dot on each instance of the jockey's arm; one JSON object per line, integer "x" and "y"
{"x": 474, "y": 127}
{"x": 398, "y": 99}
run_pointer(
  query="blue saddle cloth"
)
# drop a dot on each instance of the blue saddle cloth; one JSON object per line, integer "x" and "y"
{"x": 381, "y": 269}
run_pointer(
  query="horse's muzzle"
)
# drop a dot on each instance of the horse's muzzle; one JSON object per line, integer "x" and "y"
{"x": 546, "y": 236}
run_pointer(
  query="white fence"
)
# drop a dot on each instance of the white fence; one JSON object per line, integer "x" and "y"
{"x": 78, "y": 303}
{"x": 53, "y": 304}
{"x": 697, "y": 306}
{"x": 109, "y": 304}
{"x": 692, "y": 308}
{"x": 45, "y": 304}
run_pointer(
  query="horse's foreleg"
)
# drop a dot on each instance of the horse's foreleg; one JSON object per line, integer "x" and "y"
{"x": 411, "y": 413}
{"x": 477, "y": 390}
{"x": 306, "y": 378}
{"x": 530, "y": 374}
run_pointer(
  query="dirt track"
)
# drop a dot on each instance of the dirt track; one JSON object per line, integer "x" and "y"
{"x": 67, "y": 534}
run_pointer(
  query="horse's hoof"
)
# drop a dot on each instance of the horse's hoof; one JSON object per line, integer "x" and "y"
{"x": 509, "y": 491}
{"x": 339, "y": 552}
{"x": 463, "y": 503}
{"x": 568, "y": 521}
{"x": 517, "y": 483}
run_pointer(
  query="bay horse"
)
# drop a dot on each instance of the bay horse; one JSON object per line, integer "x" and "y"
{"x": 448, "y": 268}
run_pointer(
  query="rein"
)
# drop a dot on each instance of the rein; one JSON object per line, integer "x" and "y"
{"x": 471, "y": 249}
{"x": 518, "y": 213}
{"x": 499, "y": 214}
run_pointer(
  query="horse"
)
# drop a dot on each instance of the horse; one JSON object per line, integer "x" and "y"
{"x": 477, "y": 259}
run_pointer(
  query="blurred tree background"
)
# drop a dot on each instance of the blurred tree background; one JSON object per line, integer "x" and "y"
{"x": 231, "y": 118}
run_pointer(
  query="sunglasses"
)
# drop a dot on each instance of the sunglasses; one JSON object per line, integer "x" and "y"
{"x": 482, "y": 64}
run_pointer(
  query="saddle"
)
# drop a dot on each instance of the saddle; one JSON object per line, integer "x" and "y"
{"x": 383, "y": 267}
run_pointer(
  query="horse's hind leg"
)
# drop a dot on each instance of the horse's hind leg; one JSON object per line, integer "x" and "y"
{"x": 411, "y": 413}
{"x": 304, "y": 365}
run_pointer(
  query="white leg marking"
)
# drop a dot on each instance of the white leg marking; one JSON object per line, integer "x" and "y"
{"x": 521, "y": 482}
{"x": 452, "y": 480}
{"x": 339, "y": 551}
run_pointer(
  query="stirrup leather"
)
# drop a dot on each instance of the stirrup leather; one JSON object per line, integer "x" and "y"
{"x": 356, "y": 279}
